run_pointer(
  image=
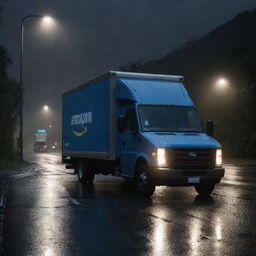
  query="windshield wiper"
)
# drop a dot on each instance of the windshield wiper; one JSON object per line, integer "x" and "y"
{"x": 166, "y": 133}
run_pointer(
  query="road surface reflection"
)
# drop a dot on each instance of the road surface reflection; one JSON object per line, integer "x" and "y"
{"x": 56, "y": 215}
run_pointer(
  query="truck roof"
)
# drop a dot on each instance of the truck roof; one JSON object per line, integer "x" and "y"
{"x": 147, "y": 76}
{"x": 120, "y": 74}
{"x": 150, "y": 91}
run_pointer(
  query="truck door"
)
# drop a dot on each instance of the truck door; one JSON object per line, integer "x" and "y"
{"x": 129, "y": 143}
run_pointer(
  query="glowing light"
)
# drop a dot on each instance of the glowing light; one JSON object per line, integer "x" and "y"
{"x": 161, "y": 156}
{"x": 218, "y": 157}
{"x": 159, "y": 235}
{"x": 195, "y": 231}
{"x": 46, "y": 107}
{"x": 48, "y": 24}
{"x": 49, "y": 252}
{"x": 218, "y": 230}
{"x": 222, "y": 83}
{"x": 47, "y": 20}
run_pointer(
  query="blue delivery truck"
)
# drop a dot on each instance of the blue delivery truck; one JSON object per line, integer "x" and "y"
{"x": 143, "y": 127}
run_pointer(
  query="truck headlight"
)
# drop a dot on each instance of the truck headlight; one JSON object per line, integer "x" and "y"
{"x": 218, "y": 161}
{"x": 161, "y": 156}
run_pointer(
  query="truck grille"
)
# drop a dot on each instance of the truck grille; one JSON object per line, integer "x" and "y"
{"x": 194, "y": 158}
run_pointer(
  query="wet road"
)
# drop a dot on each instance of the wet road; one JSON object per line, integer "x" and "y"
{"x": 51, "y": 214}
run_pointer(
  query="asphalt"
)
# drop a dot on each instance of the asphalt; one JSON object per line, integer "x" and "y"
{"x": 48, "y": 212}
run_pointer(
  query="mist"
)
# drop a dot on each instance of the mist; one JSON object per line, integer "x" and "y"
{"x": 92, "y": 37}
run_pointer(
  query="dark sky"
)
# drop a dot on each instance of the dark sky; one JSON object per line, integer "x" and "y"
{"x": 92, "y": 37}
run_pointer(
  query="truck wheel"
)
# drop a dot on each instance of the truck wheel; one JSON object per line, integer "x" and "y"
{"x": 81, "y": 170}
{"x": 143, "y": 184}
{"x": 90, "y": 177}
{"x": 205, "y": 189}
{"x": 84, "y": 173}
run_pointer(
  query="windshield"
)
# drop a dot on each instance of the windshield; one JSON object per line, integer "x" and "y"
{"x": 169, "y": 118}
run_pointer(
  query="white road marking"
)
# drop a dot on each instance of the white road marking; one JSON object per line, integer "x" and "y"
{"x": 74, "y": 201}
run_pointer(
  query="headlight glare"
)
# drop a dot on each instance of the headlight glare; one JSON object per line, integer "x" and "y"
{"x": 161, "y": 156}
{"x": 218, "y": 161}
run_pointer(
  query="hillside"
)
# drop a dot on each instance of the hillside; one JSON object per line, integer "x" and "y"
{"x": 211, "y": 52}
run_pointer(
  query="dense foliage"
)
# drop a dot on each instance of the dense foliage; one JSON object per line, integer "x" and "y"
{"x": 9, "y": 102}
{"x": 228, "y": 51}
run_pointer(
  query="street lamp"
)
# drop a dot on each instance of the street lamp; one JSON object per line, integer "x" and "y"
{"x": 45, "y": 19}
{"x": 46, "y": 108}
{"x": 222, "y": 83}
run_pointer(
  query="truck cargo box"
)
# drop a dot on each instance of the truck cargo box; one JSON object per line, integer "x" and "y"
{"x": 88, "y": 120}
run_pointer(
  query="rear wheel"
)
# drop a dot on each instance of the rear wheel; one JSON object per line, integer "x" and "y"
{"x": 84, "y": 173}
{"x": 81, "y": 170}
{"x": 143, "y": 184}
{"x": 205, "y": 189}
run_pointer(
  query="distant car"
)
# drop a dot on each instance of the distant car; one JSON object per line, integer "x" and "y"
{"x": 40, "y": 141}
{"x": 40, "y": 147}
{"x": 53, "y": 148}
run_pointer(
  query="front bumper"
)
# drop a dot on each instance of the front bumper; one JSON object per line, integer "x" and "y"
{"x": 173, "y": 177}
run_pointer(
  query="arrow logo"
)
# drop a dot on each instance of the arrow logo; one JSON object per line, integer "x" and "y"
{"x": 81, "y": 133}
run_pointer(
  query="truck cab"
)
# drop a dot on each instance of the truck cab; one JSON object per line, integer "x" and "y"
{"x": 161, "y": 139}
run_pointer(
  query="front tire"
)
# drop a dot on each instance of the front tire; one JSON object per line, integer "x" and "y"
{"x": 205, "y": 189}
{"x": 143, "y": 183}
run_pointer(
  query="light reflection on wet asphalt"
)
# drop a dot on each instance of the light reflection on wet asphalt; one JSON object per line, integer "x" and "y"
{"x": 51, "y": 213}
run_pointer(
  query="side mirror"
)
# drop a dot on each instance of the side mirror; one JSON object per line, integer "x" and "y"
{"x": 210, "y": 128}
{"x": 121, "y": 123}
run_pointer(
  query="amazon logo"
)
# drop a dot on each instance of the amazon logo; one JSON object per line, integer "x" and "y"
{"x": 81, "y": 119}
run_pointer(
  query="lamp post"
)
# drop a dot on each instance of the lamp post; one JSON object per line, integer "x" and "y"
{"x": 222, "y": 84}
{"x": 219, "y": 99}
{"x": 46, "y": 108}
{"x": 47, "y": 19}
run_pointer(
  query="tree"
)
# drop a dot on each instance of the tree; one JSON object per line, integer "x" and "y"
{"x": 9, "y": 102}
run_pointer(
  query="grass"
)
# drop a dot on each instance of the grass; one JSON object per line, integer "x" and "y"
{"x": 13, "y": 164}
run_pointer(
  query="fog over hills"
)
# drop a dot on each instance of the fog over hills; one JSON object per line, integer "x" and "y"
{"x": 92, "y": 37}
{"x": 211, "y": 52}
